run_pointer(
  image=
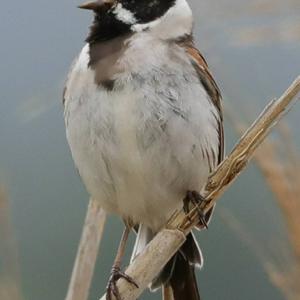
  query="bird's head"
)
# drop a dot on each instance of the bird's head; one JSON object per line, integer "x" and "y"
{"x": 117, "y": 17}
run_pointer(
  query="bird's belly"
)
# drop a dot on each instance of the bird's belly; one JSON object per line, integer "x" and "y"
{"x": 137, "y": 159}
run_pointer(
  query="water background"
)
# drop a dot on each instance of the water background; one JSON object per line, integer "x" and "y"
{"x": 253, "y": 49}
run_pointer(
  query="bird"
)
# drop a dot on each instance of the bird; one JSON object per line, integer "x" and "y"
{"x": 144, "y": 123}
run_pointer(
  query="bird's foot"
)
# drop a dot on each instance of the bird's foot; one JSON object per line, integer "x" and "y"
{"x": 196, "y": 199}
{"x": 112, "y": 288}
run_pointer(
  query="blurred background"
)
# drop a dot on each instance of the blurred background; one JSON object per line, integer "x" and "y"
{"x": 252, "y": 247}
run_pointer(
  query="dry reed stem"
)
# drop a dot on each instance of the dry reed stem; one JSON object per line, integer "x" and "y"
{"x": 282, "y": 273}
{"x": 145, "y": 267}
{"x": 10, "y": 279}
{"x": 87, "y": 253}
{"x": 282, "y": 174}
{"x": 281, "y": 185}
{"x": 283, "y": 180}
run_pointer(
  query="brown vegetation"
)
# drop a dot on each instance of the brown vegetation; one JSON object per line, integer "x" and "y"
{"x": 279, "y": 162}
{"x": 280, "y": 165}
{"x": 10, "y": 275}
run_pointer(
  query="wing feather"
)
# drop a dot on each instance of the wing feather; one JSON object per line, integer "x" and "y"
{"x": 205, "y": 77}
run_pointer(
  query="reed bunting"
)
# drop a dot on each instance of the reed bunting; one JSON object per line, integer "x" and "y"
{"x": 144, "y": 123}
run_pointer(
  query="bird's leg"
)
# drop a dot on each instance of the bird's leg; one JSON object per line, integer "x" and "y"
{"x": 116, "y": 272}
{"x": 196, "y": 199}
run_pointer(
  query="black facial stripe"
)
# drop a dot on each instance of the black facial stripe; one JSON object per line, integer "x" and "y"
{"x": 147, "y": 10}
{"x": 106, "y": 27}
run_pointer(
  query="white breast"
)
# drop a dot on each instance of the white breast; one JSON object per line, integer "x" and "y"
{"x": 140, "y": 147}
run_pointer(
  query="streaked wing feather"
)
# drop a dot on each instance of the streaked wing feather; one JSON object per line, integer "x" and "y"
{"x": 212, "y": 89}
{"x": 207, "y": 80}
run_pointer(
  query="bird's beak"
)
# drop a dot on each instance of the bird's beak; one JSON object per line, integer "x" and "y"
{"x": 96, "y": 5}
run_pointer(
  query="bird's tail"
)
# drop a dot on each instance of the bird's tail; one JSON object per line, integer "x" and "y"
{"x": 179, "y": 273}
{"x": 144, "y": 236}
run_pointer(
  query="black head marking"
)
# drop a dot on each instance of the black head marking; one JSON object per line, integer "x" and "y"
{"x": 108, "y": 24}
{"x": 106, "y": 27}
{"x": 147, "y": 10}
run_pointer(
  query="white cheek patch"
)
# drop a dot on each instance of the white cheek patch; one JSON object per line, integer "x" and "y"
{"x": 177, "y": 21}
{"x": 124, "y": 15}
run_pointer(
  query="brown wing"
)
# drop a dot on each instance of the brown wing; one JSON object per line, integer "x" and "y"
{"x": 214, "y": 93}
{"x": 208, "y": 83}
